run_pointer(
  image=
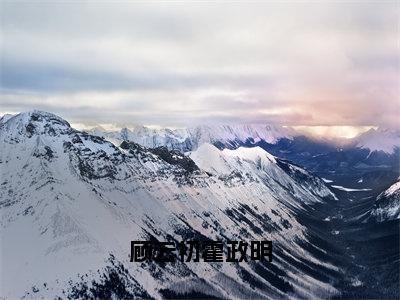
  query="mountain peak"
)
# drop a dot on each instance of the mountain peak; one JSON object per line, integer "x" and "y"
{"x": 252, "y": 153}
{"x": 380, "y": 139}
{"x": 36, "y": 122}
{"x": 39, "y": 116}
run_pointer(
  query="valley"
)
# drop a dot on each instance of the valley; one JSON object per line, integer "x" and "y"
{"x": 369, "y": 251}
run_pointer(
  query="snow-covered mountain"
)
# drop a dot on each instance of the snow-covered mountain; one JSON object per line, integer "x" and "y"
{"x": 380, "y": 139}
{"x": 387, "y": 205}
{"x": 228, "y": 163}
{"x": 188, "y": 139}
{"x": 71, "y": 203}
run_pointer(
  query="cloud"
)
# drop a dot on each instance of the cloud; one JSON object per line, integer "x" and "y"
{"x": 177, "y": 64}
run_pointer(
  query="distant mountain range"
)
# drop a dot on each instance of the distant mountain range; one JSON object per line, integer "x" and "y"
{"x": 190, "y": 139}
{"x": 231, "y": 136}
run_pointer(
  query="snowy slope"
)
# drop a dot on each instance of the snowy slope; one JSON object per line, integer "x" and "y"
{"x": 5, "y": 118}
{"x": 71, "y": 203}
{"x": 379, "y": 140}
{"x": 257, "y": 163}
{"x": 387, "y": 205}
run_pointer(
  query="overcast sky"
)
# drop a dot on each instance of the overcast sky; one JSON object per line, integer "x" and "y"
{"x": 308, "y": 63}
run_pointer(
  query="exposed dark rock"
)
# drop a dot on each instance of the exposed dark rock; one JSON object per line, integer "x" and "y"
{"x": 174, "y": 157}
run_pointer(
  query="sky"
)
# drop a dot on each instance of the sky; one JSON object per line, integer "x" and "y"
{"x": 176, "y": 64}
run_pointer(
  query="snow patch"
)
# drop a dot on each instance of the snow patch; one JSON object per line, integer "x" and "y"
{"x": 356, "y": 282}
{"x": 342, "y": 188}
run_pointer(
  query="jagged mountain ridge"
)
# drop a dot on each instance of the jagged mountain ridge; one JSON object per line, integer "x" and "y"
{"x": 232, "y": 136}
{"x": 191, "y": 138}
{"x": 78, "y": 200}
